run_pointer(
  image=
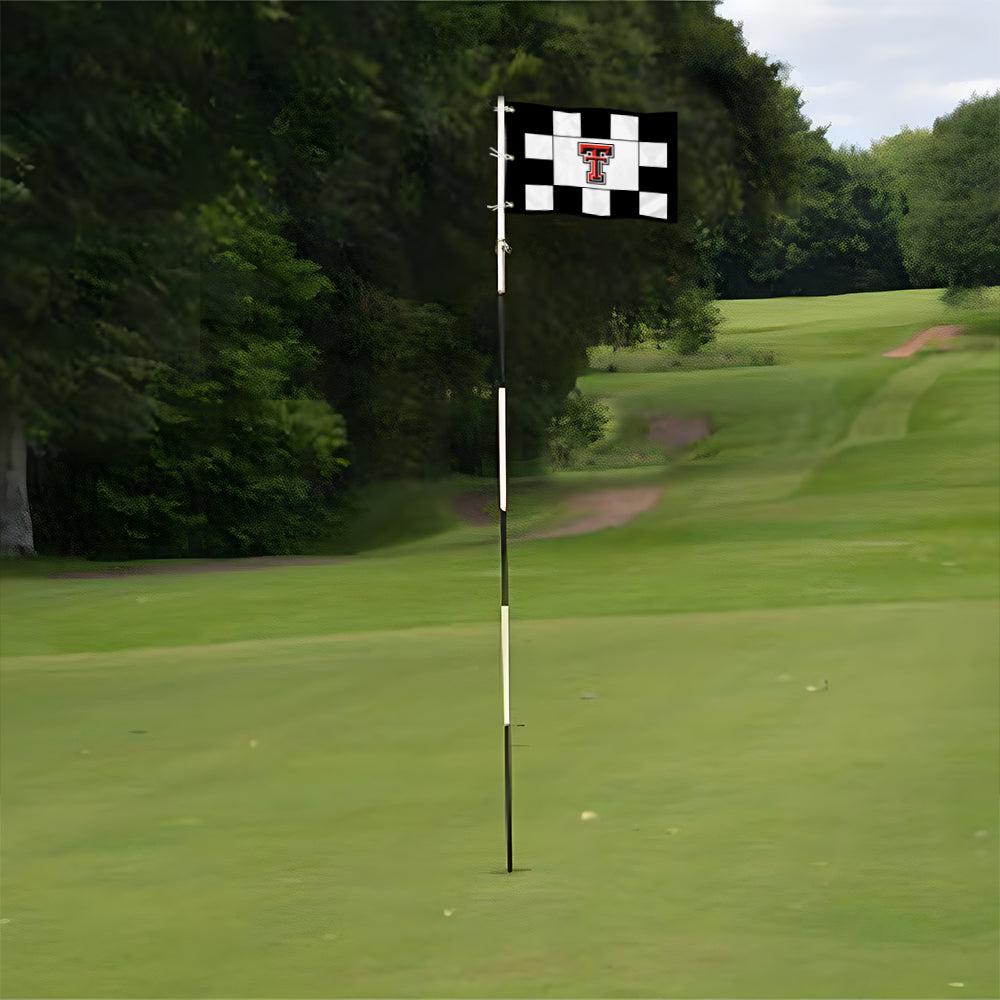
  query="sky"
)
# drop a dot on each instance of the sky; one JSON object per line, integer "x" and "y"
{"x": 866, "y": 68}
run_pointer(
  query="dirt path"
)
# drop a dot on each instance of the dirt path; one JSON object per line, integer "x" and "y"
{"x": 597, "y": 509}
{"x": 605, "y": 509}
{"x": 679, "y": 432}
{"x": 473, "y": 508}
{"x": 922, "y": 339}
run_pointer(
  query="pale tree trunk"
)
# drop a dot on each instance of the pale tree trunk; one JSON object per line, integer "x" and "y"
{"x": 16, "y": 534}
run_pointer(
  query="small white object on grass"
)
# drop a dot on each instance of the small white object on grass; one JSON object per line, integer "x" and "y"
{"x": 448, "y": 913}
{"x": 253, "y": 744}
{"x": 587, "y": 814}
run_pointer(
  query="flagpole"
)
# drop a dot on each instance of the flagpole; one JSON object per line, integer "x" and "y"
{"x": 501, "y": 251}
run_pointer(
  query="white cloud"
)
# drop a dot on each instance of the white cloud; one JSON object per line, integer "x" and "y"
{"x": 867, "y": 68}
{"x": 897, "y": 51}
{"x": 838, "y": 88}
{"x": 837, "y": 120}
{"x": 956, "y": 91}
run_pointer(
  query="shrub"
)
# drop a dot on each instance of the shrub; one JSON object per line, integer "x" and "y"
{"x": 580, "y": 421}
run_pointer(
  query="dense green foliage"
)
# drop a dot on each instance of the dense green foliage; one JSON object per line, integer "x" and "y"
{"x": 359, "y": 134}
{"x": 951, "y": 235}
{"x": 241, "y": 462}
{"x": 580, "y": 422}
{"x": 840, "y": 235}
{"x": 919, "y": 209}
{"x": 101, "y": 176}
{"x": 256, "y": 262}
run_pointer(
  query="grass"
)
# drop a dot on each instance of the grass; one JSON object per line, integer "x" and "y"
{"x": 278, "y": 783}
{"x": 829, "y": 352}
{"x": 763, "y": 332}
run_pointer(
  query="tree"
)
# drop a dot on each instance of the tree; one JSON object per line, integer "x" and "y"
{"x": 100, "y": 180}
{"x": 240, "y": 460}
{"x": 900, "y": 153}
{"x": 951, "y": 235}
{"x": 580, "y": 421}
{"x": 840, "y": 234}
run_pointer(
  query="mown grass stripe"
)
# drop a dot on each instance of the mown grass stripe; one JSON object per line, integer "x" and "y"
{"x": 886, "y": 415}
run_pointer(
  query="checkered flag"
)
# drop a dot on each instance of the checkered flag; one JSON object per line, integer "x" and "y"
{"x": 586, "y": 161}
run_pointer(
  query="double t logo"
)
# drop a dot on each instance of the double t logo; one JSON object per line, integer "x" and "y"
{"x": 596, "y": 154}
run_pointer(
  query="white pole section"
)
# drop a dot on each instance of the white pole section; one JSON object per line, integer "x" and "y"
{"x": 505, "y": 655}
{"x": 501, "y": 194}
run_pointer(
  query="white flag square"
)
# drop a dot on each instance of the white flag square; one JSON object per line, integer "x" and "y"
{"x": 625, "y": 127}
{"x": 653, "y": 205}
{"x": 565, "y": 123}
{"x": 652, "y": 154}
{"x": 538, "y": 197}
{"x": 537, "y": 147}
{"x": 596, "y": 202}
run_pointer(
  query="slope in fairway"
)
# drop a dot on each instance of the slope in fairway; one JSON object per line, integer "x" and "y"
{"x": 777, "y": 692}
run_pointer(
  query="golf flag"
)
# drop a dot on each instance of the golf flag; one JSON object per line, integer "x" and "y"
{"x": 575, "y": 161}
{"x": 592, "y": 162}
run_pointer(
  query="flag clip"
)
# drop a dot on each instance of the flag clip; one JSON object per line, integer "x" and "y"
{"x": 495, "y": 154}
{"x": 507, "y": 204}
{"x": 503, "y": 245}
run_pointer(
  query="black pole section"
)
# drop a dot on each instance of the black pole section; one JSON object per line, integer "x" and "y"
{"x": 508, "y": 798}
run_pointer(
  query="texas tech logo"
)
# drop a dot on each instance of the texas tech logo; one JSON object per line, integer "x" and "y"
{"x": 596, "y": 154}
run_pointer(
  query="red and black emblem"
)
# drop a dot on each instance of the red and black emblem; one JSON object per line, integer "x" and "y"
{"x": 596, "y": 154}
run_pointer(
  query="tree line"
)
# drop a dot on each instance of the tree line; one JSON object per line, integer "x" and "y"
{"x": 247, "y": 260}
{"x": 919, "y": 209}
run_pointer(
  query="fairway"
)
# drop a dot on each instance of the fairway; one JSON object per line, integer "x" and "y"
{"x": 777, "y": 690}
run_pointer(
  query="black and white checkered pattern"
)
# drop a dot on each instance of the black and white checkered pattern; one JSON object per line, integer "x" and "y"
{"x": 549, "y": 173}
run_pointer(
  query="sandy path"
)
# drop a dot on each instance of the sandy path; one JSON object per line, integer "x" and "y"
{"x": 475, "y": 508}
{"x": 605, "y": 509}
{"x": 922, "y": 339}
